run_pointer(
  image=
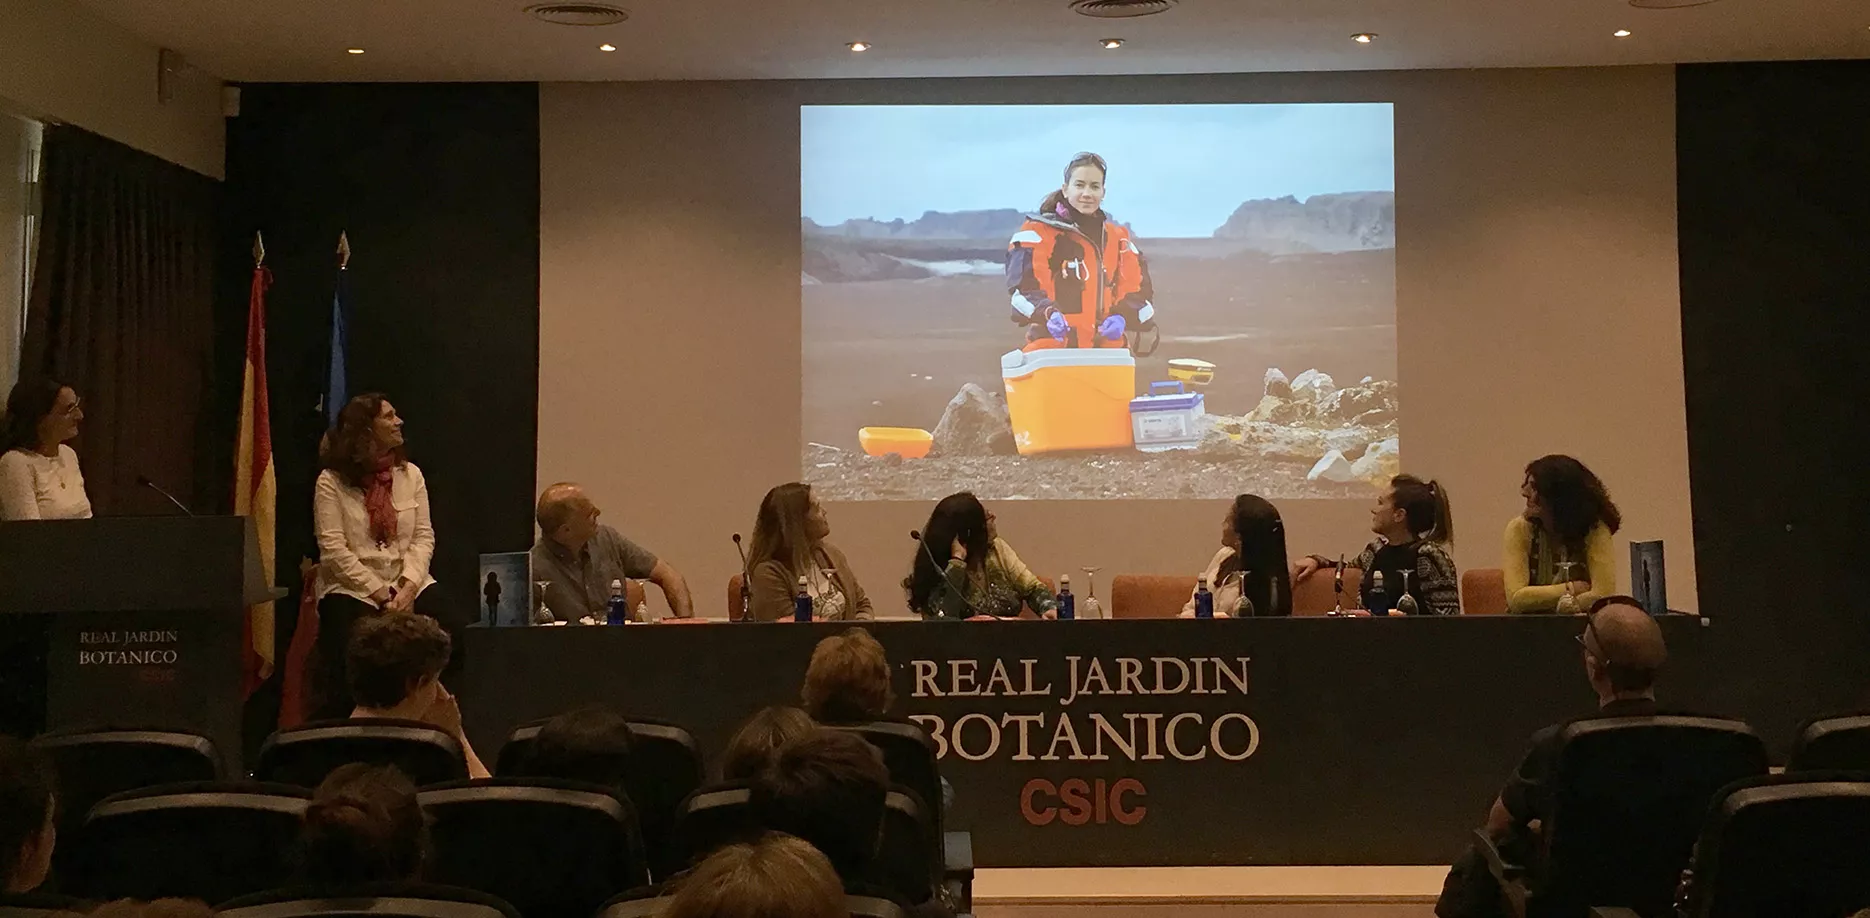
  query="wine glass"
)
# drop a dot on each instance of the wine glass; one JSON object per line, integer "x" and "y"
{"x": 541, "y": 613}
{"x": 1567, "y": 601}
{"x": 1244, "y": 607}
{"x": 1406, "y": 603}
{"x": 1090, "y": 607}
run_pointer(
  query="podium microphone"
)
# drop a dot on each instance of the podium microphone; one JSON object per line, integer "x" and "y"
{"x": 746, "y": 591}
{"x": 145, "y": 482}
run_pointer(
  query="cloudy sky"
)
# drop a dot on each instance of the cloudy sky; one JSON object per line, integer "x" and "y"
{"x": 1175, "y": 170}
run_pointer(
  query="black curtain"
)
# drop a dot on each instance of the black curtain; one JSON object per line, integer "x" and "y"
{"x": 122, "y": 310}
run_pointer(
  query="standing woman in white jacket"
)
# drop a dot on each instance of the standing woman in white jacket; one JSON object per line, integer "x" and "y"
{"x": 371, "y": 514}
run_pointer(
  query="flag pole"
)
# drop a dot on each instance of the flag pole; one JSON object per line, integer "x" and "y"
{"x": 259, "y": 250}
{"x": 344, "y": 250}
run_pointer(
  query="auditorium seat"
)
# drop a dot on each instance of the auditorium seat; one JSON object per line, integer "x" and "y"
{"x": 554, "y": 849}
{"x": 1628, "y": 799}
{"x": 909, "y": 754}
{"x": 665, "y": 767}
{"x": 210, "y": 840}
{"x": 1784, "y": 846}
{"x": 1832, "y": 743}
{"x": 636, "y": 907}
{"x": 95, "y": 764}
{"x": 369, "y": 900}
{"x": 711, "y": 817}
{"x": 305, "y": 755}
{"x": 40, "y": 905}
{"x": 1483, "y": 591}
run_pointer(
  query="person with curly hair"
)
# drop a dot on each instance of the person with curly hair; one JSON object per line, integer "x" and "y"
{"x": 1569, "y": 519}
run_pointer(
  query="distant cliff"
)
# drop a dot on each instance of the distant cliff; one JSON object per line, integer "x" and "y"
{"x": 1344, "y": 222}
{"x": 997, "y": 225}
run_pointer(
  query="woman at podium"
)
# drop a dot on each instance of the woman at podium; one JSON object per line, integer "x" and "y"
{"x": 39, "y": 477}
{"x": 371, "y": 515}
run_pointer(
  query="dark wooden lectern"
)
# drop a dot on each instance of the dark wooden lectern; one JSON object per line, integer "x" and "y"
{"x": 147, "y": 614}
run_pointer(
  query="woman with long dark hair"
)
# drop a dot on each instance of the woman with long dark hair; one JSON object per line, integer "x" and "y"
{"x": 788, "y": 544}
{"x": 375, "y": 541}
{"x": 1074, "y": 273}
{"x": 1569, "y": 519}
{"x": 1251, "y": 562}
{"x": 39, "y": 475}
{"x": 963, "y": 568}
{"x": 1415, "y": 531}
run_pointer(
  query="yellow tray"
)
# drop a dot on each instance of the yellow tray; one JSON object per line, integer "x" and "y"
{"x": 907, "y": 442}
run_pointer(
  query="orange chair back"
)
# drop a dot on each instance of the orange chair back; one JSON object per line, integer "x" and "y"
{"x": 733, "y": 598}
{"x": 1483, "y": 591}
{"x": 1316, "y": 595}
{"x": 1149, "y": 595}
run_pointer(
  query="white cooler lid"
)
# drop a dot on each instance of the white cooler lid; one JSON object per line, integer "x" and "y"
{"x": 1015, "y": 364}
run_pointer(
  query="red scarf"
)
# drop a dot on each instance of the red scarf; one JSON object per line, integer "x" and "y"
{"x": 377, "y": 500}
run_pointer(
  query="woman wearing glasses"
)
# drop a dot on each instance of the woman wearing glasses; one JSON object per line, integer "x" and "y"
{"x": 39, "y": 476}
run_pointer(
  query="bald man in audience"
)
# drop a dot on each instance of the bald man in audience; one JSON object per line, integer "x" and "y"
{"x": 580, "y": 557}
{"x": 1623, "y": 652}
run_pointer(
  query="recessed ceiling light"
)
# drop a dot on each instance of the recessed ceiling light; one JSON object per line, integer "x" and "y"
{"x": 353, "y": 50}
{"x": 1364, "y": 38}
{"x": 1621, "y": 33}
{"x": 859, "y": 46}
{"x": 1111, "y": 44}
{"x": 607, "y": 46}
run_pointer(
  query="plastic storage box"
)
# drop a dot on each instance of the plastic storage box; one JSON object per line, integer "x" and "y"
{"x": 1069, "y": 398}
{"x": 1168, "y": 418}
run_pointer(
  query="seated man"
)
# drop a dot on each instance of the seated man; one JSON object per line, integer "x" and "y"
{"x": 580, "y": 557}
{"x": 1623, "y": 651}
{"x": 394, "y": 663}
{"x": 27, "y": 813}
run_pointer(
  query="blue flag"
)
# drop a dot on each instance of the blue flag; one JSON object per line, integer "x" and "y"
{"x": 337, "y": 385}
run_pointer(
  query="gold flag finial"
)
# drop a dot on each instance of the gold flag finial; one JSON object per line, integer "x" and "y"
{"x": 344, "y": 250}
{"x": 259, "y": 250}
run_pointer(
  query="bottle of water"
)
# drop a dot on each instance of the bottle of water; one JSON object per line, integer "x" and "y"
{"x": 1379, "y": 597}
{"x": 1204, "y": 600}
{"x": 1067, "y": 604}
{"x": 802, "y": 603}
{"x": 618, "y": 610}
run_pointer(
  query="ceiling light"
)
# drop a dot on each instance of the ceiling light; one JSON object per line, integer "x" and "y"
{"x": 1364, "y": 38}
{"x": 353, "y": 50}
{"x": 859, "y": 46}
{"x": 1621, "y": 33}
{"x": 607, "y": 46}
{"x": 1111, "y": 44}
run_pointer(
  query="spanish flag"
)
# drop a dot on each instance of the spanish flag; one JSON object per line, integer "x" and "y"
{"x": 256, "y": 493}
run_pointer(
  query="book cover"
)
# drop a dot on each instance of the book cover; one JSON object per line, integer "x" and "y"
{"x": 505, "y": 589}
{"x": 1649, "y": 586}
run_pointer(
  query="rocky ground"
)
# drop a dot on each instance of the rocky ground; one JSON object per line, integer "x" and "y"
{"x": 1307, "y": 438}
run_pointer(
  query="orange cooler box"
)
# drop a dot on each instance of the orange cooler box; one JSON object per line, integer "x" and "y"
{"x": 1069, "y": 398}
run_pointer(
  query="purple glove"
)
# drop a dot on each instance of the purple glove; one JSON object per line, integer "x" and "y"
{"x": 1112, "y": 329}
{"x": 1056, "y": 324}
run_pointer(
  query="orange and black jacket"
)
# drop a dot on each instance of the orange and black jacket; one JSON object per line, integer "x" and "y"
{"x": 1052, "y": 265}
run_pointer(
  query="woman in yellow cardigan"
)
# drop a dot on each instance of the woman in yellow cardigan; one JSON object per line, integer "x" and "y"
{"x": 1569, "y": 518}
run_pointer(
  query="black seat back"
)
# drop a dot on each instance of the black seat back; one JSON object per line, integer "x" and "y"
{"x": 665, "y": 767}
{"x": 210, "y": 841}
{"x": 370, "y": 900}
{"x": 39, "y": 905}
{"x": 554, "y": 849}
{"x": 908, "y": 856}
{"x": 1628, "y": 798}
{"x": 305, "y": 755}
{"x": 909, "y": 754}
{"x": 95, "y": 764}
{"x": 714, "y": 816}
{"x": 1833, "y": 744}
{"x": 871, "y": 907}
{"x": 1785, "y": 846}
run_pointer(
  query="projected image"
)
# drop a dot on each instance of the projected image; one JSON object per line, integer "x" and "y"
{"x": 1058, "y": 302}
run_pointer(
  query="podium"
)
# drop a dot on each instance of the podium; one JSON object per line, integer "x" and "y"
{"x": 146, "y": 618}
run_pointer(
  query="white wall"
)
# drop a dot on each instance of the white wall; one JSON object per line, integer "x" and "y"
{"x": 1537, "y": 306}
{"x": 61, "y": 62}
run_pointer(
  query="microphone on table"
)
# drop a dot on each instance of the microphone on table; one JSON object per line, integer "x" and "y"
{"x": 746, "y": 592}
{"x": 942, "y": 572}
{"x": 145, "y": 482}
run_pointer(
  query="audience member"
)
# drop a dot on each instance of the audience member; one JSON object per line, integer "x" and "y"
{"x": 751, "y": 748}
{"x": 789, "y": 545}
{"x": 580, "y": 557}
{"x": 1251, "y": 562}
{"x": 364, "y": 826}
{"x": 777, "y": 876}
{"x": 848, "y": 680}
{"x": 1569, "y": 519}
{"x": 589, "y": 744}
{"x": 962, "y": 568}
{"x": 1623, "y": 652}
{"x": 28, "y": 810}
{"x": 1415, "y": 533}
{"x": 394, "y": 663}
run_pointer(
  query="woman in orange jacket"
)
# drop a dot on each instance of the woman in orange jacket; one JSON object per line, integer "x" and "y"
{"x": 1075, "y": 274}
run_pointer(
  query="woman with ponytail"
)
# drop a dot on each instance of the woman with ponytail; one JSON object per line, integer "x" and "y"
{"x": 1415, "y": 531}
{"x": 364, "y": 826}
